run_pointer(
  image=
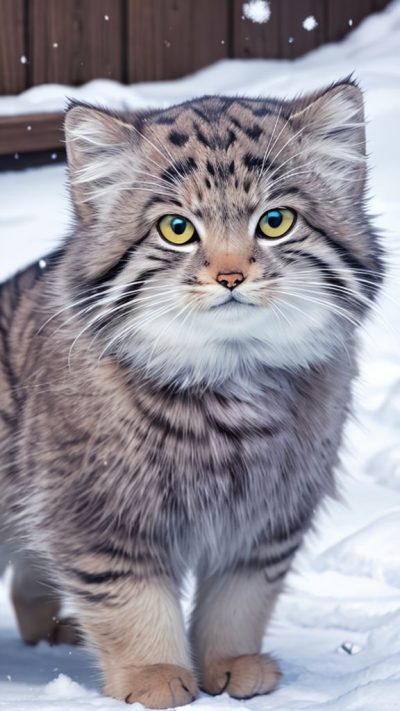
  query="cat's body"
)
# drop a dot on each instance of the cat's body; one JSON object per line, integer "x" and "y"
{"x": 202, "y": 441}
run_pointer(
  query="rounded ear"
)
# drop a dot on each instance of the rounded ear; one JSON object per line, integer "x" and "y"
{"x": 96, "y": 142}
{"x": 333, "y": 124}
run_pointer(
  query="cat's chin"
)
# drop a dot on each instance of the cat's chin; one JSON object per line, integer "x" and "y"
{"x": 226, "y": 341}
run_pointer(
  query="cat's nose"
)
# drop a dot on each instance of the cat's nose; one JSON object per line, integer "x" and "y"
{"x": 230, "y": 280}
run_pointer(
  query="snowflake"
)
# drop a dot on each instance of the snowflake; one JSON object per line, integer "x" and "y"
{"x": 310, "y": 23}
{"x": 257, "y": 11}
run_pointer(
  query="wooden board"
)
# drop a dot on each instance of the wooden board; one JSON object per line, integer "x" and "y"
{"x": 342, "y": 17}
{"x": 170, "y": 38}
{"x": 252, "y": 40}
{"x": 31, "y": 132}
{"x": 75, "y": 41}
{"x": 13, "y": 52}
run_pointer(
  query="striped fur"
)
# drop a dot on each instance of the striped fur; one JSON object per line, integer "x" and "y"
{"x": 147, "y": 426}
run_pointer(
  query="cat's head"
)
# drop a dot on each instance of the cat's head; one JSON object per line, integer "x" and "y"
{"x": 222, "y": 232}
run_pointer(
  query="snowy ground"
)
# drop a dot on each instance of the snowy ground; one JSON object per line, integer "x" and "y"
{"x": 347, "y": 586}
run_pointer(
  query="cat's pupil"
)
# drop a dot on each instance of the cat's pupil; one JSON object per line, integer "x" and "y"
{"x": 274, "y": 218}
{"x": 178, "y": 225}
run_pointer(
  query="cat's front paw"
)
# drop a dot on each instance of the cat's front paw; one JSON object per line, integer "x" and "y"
{"x": 241, "y": 677}
{"x": 157, "y": 686}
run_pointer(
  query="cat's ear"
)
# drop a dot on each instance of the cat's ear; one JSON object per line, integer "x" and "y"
{"x": 97, "y": 146}
{"x": 331, "y": 125}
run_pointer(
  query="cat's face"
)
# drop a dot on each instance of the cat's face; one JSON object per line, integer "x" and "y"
{"x": 223, "y": 232}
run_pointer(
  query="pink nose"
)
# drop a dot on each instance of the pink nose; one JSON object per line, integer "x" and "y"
{"x": 230, "y": 280}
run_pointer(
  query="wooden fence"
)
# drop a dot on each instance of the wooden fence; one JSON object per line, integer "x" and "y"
{"x": 74, "y": 41}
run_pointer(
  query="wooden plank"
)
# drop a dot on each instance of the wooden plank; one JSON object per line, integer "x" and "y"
{"x": 31, "y": 132}
{"x": 342, "y": 17}
{"x": 378, "y": 5}
{"x": 170, "y": 38}
{"x": 74, "y": 41}
{"x": 253, "y": 40}
{"x": 13, "y": 53}
{"x": 34, "y": 159}
{"x": 295, "y": 40}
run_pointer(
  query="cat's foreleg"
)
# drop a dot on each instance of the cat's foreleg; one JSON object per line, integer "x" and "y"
{"x": 37, "y": 604}
{"x": 136, "y": 625}
{"x": 227, "y": 629}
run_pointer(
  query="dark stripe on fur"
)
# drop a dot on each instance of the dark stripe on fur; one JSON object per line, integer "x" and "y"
{"x": 357, "y": 267}
{"x": 116, "y": 269}
{"x": 179, "y": 170}
{"x": 252, "y": 162}
{"x": 99, "y": 578}
{"x": 329, "y": 274}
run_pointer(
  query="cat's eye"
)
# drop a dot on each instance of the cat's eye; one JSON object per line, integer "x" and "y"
{"x": 176, "y": 229}
{"x": 276, "y": 223}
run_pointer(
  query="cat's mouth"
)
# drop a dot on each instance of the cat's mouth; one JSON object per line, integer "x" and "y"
{"x": 232, "y": 303}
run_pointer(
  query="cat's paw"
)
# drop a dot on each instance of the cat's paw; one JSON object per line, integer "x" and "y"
{"x": 65, "y": 631}
{"x": 157, "y": 686}
{"x": 242, "y": 677}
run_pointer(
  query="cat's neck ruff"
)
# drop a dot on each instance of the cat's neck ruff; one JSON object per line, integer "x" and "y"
{"x": 204, "y": 354}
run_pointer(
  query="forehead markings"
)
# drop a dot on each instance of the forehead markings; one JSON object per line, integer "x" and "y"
{"x": 178, "y": 138}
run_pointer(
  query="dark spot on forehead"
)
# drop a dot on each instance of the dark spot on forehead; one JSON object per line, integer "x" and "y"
{"x": 208, "y": 183}
{"x": 167, "y": 120}
{"x": 232, "y": 167}
{"x": 177, "y": 138}
{"x": 246, "y": 185}
{"x": 254, "y": 132}
{"x": 230, "y": 139}
{"x": 201, "y": 137}
{"x": 252, "y": 162}
{"x": 262, "y": 111}
{"x": 202, "y": 114}
{"x": 179, "y": 170}
{"x": 210, "y": 168}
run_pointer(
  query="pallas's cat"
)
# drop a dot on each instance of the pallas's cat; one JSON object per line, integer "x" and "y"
{"x": 175, "y": 382}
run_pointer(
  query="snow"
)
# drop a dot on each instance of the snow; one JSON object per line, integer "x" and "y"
{"x": 310, "y": 23}
{"x": 336, "y": 631}
{"x": 257, "y": 11}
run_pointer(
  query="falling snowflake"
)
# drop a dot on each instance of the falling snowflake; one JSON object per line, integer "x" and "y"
{"x": 257, "y": 11}
{"x": 54, "y": 156}
{"x": 106, "y": 17}
{"x": 350, "y": 23}
{"x": 24, "y": 60}
{"x": 310, "y": 23}
{"x": 55, "y": 45}
{"x": 43, "y": 265}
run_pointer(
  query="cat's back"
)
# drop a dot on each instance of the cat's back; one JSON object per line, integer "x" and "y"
{"x": 21, "y": 299}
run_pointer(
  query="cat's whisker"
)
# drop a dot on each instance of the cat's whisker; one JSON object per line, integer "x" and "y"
{"x": 132, "y": 327}
{"x": 323, "y": 302}
{"x": 161, "y": 153}
{"x": 167, "y": 326}
{"x": 266, "y": 152}
{"x": 108, "y": 291}
{"x": 288, "y": 142}
{"x": 111, "y": 311}
{"x": 360, "y": 298}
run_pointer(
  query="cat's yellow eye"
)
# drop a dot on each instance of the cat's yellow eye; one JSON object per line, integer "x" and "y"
{"x": 276, "y": 223}
{"x": 176, "y": 229}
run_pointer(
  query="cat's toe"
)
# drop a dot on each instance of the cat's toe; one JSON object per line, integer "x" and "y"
{"x": 157, "y": 686}
{"x": 242, "y": 677}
